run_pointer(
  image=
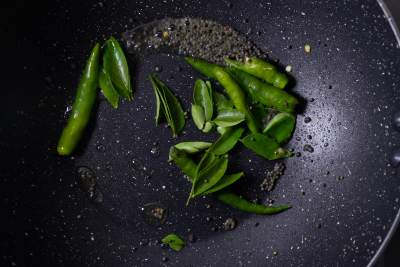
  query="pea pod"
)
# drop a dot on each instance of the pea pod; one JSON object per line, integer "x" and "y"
{"x": 237, "y": 202}
{"x": 108, "y": 89}
{"x": 265, "y": 146}
{"x": 281, "y": 127}
{"x": 265, "y": 93}
{"x": 116, "y": 66}
{"x": 231, "y": 87}
{"x": 225, "y": 196}
{"x": 261, "y": 69}
{"x": 81, "y": 109}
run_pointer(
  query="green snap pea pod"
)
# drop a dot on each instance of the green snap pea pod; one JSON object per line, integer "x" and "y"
{"x": 231, "y": 87}
{"x": 237, "y": 202}
{"x": 261, "y": 69}
{"x": 265, "y": 93}
{"x": 226, "y": 196}
{"x": 85, "y": 97}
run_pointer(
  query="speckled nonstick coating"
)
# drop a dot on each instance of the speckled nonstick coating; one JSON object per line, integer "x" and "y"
{"x": 352, "y": 74}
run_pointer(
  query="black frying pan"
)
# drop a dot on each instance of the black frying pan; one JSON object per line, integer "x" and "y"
{"x": 352, "y": 74}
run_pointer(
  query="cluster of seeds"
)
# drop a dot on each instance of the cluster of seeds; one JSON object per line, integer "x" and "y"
{"x": 272, "y": 176}
{"x": 194, "y": 37}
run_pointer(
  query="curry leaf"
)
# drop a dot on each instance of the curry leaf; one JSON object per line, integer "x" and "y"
{"x": 170, "y": 106}
{"x": 265, "y": 146}
{"x": 210, "y": 175}
{"x": 193, "y": 147}
{"x": 226, "y": 141}
{"x": 116, "y": 66}
{"x": 229, "y": 117}
{"x": 225, "y": 181}
{"x": 281, "y": 127}
{"x": 203, "y": 98}
{"x": 208, "y": 126}
{"x": 107, "y": 88}
{"x": 221, "y": 102}
{"x": 173, "y": 241}
{"x": 198, "y": 116}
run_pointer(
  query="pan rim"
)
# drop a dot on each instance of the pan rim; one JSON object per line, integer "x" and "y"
{"x": 395, "y": 225}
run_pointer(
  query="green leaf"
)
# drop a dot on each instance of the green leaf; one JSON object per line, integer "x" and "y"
{"x": 265, "y": 146}
{"x": 221, "y": 102}
{"x": 281, "y": 127}
{"x": 170, "y": 106}
{"x": 226, "y": 141}
{"x": 116, "y": 66}
{"x": 198, "y": 116}
{"x": 202, "y": 97}
{"x": 225, "y": 181}
{"x": 210, "y": 175}
{"x": 208, "y": 126}
{"x": 160, "y": 112}
{"x": 107, "y": 88}
{"x": 222, "y": 130}
{"x": 173, "y": 241}
{"x": 193, "y": 147}
{"x": 229, "y": 117}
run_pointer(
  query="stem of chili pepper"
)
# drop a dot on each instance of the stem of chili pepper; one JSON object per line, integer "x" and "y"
{"x": 261, "y": 69}
{"x": 265, "y": 93}
{"x": 231, "y": 87}
{"x": 225, "y": 196}
{"x": 85, "y": 97}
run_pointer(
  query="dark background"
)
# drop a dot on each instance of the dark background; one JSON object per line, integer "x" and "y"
{"x": 14, "y": 59}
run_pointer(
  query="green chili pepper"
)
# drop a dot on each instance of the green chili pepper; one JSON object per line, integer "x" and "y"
{"x": 85, "y": 97}
{"x": 107, "y": 88}
{"x": 281, "y": 127}
{"x": 231, "y": 87}
{"x": 265, "y": 146}
{"x": 237, "y": 202}
{"x": 261, "y": 69}
{"x": 188, "y": 166}
{"x": 265, "y": 93}
{"x": 173, "y": 241}
{"x": 116, "y": 66}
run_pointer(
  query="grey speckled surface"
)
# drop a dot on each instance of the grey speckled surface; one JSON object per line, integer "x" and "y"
{"x": 352, "y": 73}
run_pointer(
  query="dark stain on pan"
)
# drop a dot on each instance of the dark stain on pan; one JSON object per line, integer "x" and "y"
{"x": 352, "y": 74}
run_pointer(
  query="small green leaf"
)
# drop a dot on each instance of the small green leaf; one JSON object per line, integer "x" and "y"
{"x": 222, "y": 130}
{"x": 210, "y": 175}
{"x": 193, "y": 147}
{"x": 107, "y": 88}
{"x": 160, "y": 112}
{"x": 170, "y": 106}
{"x": 221, "y": 102}
{"x": 265, "y": 146}
{"x": 229, "y": 117}
{"x": 198, "y": 116}
{"x": 281, "y": 127}
{"x": 116, "y": 66}
{"x": 208, "y": 126}
{"x": 225, "y": 181}
{"x": 173, "y": 241}
{"x": 226, "y": 141}
{"x": 202, "y": 97}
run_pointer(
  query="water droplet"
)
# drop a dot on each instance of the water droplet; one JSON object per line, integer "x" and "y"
{"x": 155, "y": 213}
{"x": 396, "y": 121}
{"x": 157, "y": 68}
{"x": 308, "y": 148}
{"x": 87, "y": 180}
{"x": 155, "y": 151}
{"x": 395, "y": 158}
{"x": 100, "y": 147}
{"x": 67, "y": 111}
{"x": 307, "y": 119}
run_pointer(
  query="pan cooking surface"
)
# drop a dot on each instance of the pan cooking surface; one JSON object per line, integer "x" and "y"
{"x": 345, "y": 195}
